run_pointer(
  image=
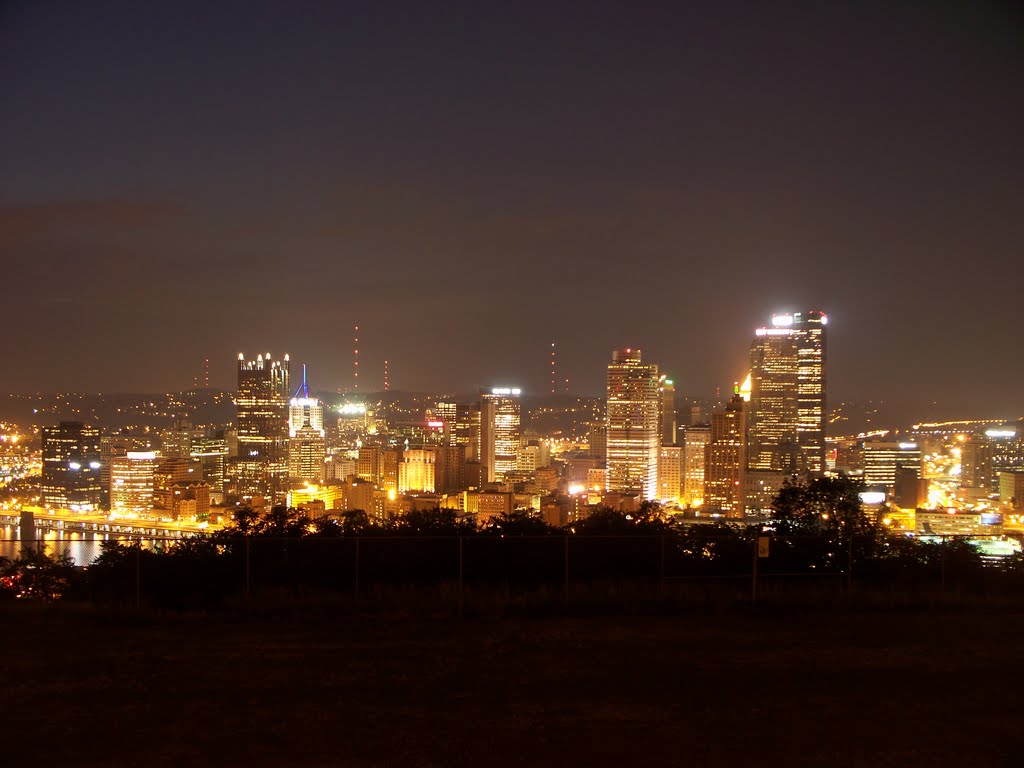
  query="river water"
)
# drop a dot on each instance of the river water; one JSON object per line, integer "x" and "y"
{"x": 82, "y": 546}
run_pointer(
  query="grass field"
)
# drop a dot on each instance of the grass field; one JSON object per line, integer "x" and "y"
{"x": 84, "y": 687}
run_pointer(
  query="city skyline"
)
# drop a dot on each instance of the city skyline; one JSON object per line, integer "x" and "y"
{"x": 361, "y": 176}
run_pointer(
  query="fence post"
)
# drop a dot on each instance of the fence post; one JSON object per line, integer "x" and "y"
{"x": 565, "y": 574}
{"x": 248, "y": 567}
{"x": 849, "y": 565}
{"x": 942, "y": 567}
{"x": 138, "y": 574}
{"x": 753, "y": 573}
{"x": 661, "y": 564}
{"x": 356, "y": 580}
{"x": 460, "y": 578}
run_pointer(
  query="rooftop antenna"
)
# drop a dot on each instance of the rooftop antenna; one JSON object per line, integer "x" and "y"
{"x": 355, "y": 359}
{"x": 303, "y": 388}
{"x": 554, "y": 375}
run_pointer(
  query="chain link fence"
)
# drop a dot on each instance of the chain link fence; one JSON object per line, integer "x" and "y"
{"x": 208, "y": 572}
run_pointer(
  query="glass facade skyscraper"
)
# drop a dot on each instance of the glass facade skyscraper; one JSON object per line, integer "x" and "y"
{"x": 634, "y": 414}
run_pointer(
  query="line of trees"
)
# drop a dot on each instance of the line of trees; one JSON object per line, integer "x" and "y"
{"x": 817, "y": 527}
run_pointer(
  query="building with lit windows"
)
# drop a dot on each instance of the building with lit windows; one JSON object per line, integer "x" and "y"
{"x": 447, "y": 413}
{"x": 261, "y": 467}
{"x": 304, "y": 410}
{"x": 416, "y": 471}
{"x": 1007, "y": 446}
{"x": 772, "y": 420}
{"x": 307, "y": 441}
{"x": 112, "y": 446}
{"x": 633, "y": 438}
{"x": 307, "y": 452}
{"x": 670, "y": 473}
{"x": 810, "y": 390}
{"x": 977, "y": 470}
{"x": 71, "y": 466}
{"x": 667, "y": 416}
{"x": 726, "y": 459}
{"x": 1011, "y": 489}
{"x": 880, "y": 458}
{"x": 786, "y": 420}
{"x": 695, "y": 440}
{"x": 760, "y": 489}
{"x": 212, "y": 452}
{"x": 171, "y": 471}
{"x": 132, "y": 482}
{"x": 499, "y": 431}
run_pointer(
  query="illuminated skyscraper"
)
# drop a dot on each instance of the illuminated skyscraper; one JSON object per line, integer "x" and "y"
{"x": 670, "y": 477}
{"x": 667, "y": 415}
{"x": 883, "y": 457}
{"x": 447, "y": 414}
{"x": 307, "y": 444}
{"x": 307, "y": 450}
{"x": 695, "y": 440}
{"x": 811, "y": 381}
{"x": 772, "y": 422}
{"x": 115, "y": 445}
{"x": 726, "y": 459}
{"x": 304, "y": 410}
{"x": 1007, "y": 446}
{"x": 132, "y": 481}
{"x": 262, "y": 427}
{"x": 499, "y": 431}
{"x": 787, "y": 397}
{"x": 633, "y": 437}
{"x": 976, "y": 465}
{"x": 417, "y": 471}
{"x": 71, "y": 466}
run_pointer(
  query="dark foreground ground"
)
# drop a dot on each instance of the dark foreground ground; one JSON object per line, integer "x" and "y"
{"x": 935, "y": 688}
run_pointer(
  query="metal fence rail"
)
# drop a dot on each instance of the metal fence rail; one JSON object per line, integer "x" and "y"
{"x": 140, "y": 569}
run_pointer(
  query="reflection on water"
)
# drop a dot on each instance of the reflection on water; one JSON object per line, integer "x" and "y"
{"x": 82, "y": 546}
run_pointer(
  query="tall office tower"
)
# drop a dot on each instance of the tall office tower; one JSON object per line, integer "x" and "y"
{"x": 177, "y": 441}
{"x": 597, "y": 439}
{"x": 976, "y": 466}
{"x": 112, "y": 446}
{"x": 667, "y": 414}
{"x": 390, "y": 458}
{"x": 810, "y": 389}
{"x": 132, "y": 480}
{"x": 670, "y": 475}
{"x": 499, "y": 431}
{"x": 368, "y": 464}
{"x": 450, "y": 472}
{"x": 261, "y": 468}
{"x": 471, "y": 430}
{"x": 212, "y": 453}
{"x": 1007, "y": 446}
{"x": 71, "y": 466}
{"x": 307, "y": 451}
{"x": 633, "y": 439}
{"x": 726, "y": 459}
{"x": 787, "y": 398}
{"x": 417, "y": 470}
{"x": 307, "y": 440}
{"x": 695, "y": 440}
{"x": 171, "y": 471}
{"x": 447, "y": 413}
{"x": 772, "y": 421}
{"x": 882, "y": 457}
{"x": 303, "y": 409}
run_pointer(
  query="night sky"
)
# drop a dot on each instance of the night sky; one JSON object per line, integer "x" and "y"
{"x": 470, "y": 182}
